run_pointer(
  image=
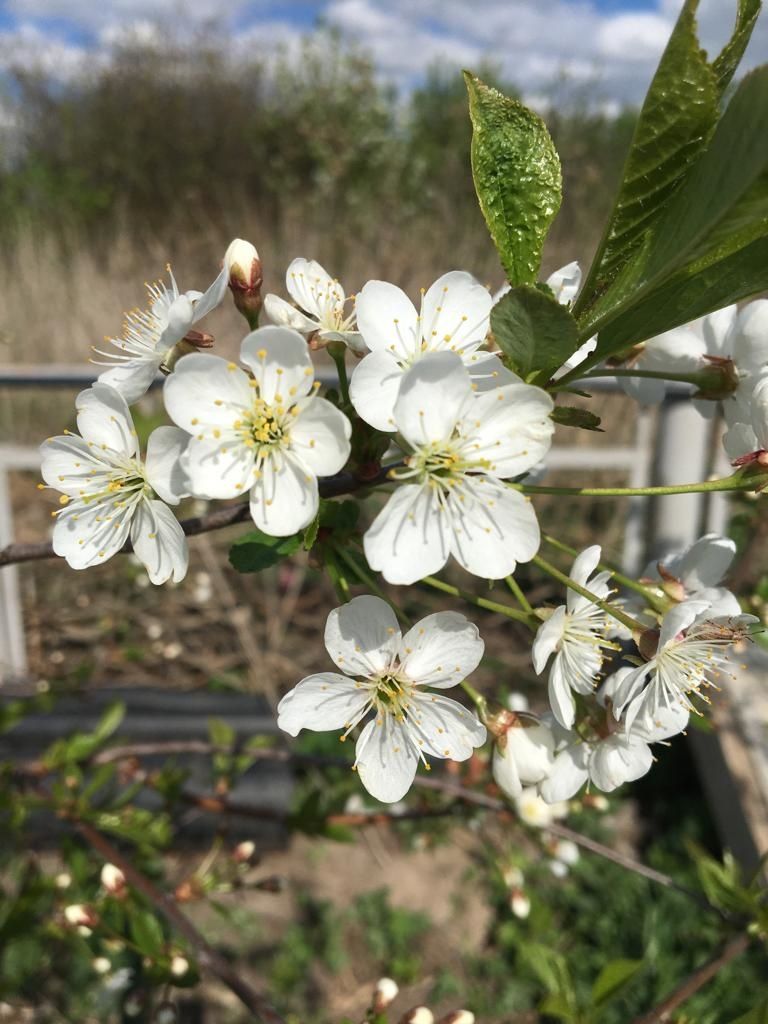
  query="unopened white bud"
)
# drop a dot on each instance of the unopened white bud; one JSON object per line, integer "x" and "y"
{"x": 179, "y": 966}
{"x": 101, "y": 965}
{"x": 524, "y": 755}
{"x": 63, "y": 881}
{"x": 519, "y": 904}
{"x": 113, "y": 879}
{"x": 418, "y": 1015}
{"x": 566, "y": 851}
{"x": 385, "y": 993}
{"x": 242, "y": 263}
{"x": 458, "y": 1017}
{"x": 79, "y": 915}
{"x": 243, "y": 851}
{"x": 558, "y": 868}
{"x": 513, "y": 877}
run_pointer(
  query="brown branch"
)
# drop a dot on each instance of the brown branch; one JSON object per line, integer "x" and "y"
{"x": 698, "y": 979}
{"x": 330, "y": 487}
{"x": 206, "y": 955}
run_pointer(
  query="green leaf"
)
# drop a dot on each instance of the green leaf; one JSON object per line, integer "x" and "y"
{"x": 613, "y": 978}
{"x": 310, "y": 533}
{"x": 757, "y": 1015}
{"x": 339, "y": 516}
{"x": 146, "y": 931}
{"x": 721, "y": 882}
{"x": 221, "y": 733}
{"x": 725, "y": 65}
{"x": 535, "y": 333}
{"x": 256, "y": 550}
{"x": 82, "y": 746}
{"x": 572, "y": 416}
{"x": 556, "y": 1006}
{"x": 551, "y": 968}
{"x": 677, "y": 118}
{"x": 517, "y": 177}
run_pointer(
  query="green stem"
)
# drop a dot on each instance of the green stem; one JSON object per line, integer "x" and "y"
{"x": 477, "y": 698}
{"x": 338, "y": 352}
{"x": 626, "y": 581}
{"x": 366, "y": 578}
{"x": 514, "y": 588}
{"x": 339, "y": 580}
{"x": 529, "y": 619}
{"x": 737, "y": 482}
{"x": 606, "y": 606}
{"x": 685, "y": 378}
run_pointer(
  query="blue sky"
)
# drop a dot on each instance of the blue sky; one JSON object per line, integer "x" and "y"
{"x": 608, "y": 46}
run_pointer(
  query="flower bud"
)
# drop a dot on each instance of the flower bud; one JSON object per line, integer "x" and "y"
{"x": 113, "y": 880}
{"x": 524, "y": 755}
{"x": 243, "y": 267}
{"x": 101, "y": 965}
{"x": 243, "y": 852}
{"x": 385, "y": 993}
{"x": 63, "y": 881}
{"x": 566, "y": 851}
{"x": 179, "y": 966}
{"x": 418, "y": 1015}
{"x": 513, "y": 876}
{"x": 458, "y": 1017}
{"x": 519, "y": 904}
{"x": 79, "y": 915}
{"x": 535, "y": 811}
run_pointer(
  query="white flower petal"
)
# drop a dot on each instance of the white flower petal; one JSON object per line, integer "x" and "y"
{"x": 715, "y": 329}
{"x": 211, "y": 298}
{"x": 88, "y": 535}
{"x": 617, "y": 760}
{"x": 311, "y": 286}
{"x": 749, "y": 339}
{"x": 441, "y": 650}
{"x": 444, "y": 727}
{"x": 547, "y": 639}
{"x": 512, "y": 428}
{"x": 387, "y": 320}
{"x": 217, "y": 468}
{"x": 205, "y": 393}
{"x": 486, "y": 371}
{"x": 280, "y": 362}
{"x": 104, "y": 419}
{"x": 159, "y": 542}
{"x": 505, "y": 772}
{"x": 374, "y": 388}
{"x": 569, "y": 773}
{"x": 678, "y": 619}
{"x": 284, "y": 499}
{"x": 560, "y": 694}
{"x": 162, "y": 464}
{"x": 565, "y": 282}
{"x": 386, "y": 759}
{"x": 493, "y": 532}
{"x": 706, "y": 562}
{"x": 67, "y": 464}
{"x": 422, "y": 419}
{"x": 363, "y": 636}
{"x": 283, "y": 314}
{"x": 320, "y": 436}
{"x": 409, "y": 539}
{"x": 321, "y": 702}
{"x": 134, "y": 377}
{"x": 455, "y": 312}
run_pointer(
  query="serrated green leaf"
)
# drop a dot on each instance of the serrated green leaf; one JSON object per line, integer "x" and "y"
{"x": 535, "y": 333}
{"x": 146, "y": 931}
{"x": 726, "y": 63}
{"x": 310, "y": 533}
{"x": 517, "y": 177}
{"x": 676, "y": 120}
{"x": 571, "y": 416}
{"x": 613, "y": 978}
{"x": 256, "y": 550}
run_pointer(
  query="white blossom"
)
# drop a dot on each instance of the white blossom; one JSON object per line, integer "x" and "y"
{"x": 454, "y": 317}
{"x": 680, "y": 350}
{"x": 692, "y": 651}
{"x": 266, "y": 433}
{"x": 110, "y": 496}
{"x": 386, "y": 674}
{"x": 321, "y": 302}
{"x": 747, "y": 442}
{"x": 452, "y": 499}
{"x": 149, "y": 335}
{"x": 615, "y": 754}
{"x": 696, "y": 573}
{"x": 575, "y": 633}
{"x": 533, "y": 810}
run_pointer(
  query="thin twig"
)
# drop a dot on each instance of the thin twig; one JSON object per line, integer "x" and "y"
{"x": 698, "y": 979}
{"x": 207, "y": 957}
{"x": 330, "y": 487}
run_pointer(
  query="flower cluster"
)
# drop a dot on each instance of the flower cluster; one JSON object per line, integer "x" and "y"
{"x": 458, "y": 431}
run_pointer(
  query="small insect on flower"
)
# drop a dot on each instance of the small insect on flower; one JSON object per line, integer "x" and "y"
{"x": 386, "y": 675}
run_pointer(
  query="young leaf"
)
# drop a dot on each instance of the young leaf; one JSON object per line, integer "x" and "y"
{"x": 535, "y": 333}
{"x": 572, "y": 416}
{"x": 677, "y": 118}
{"x": 256, "y": 550}
{"x": 725, "y": 65}
{"x": 613, "y": 978}
{"x": 517, "y": 177}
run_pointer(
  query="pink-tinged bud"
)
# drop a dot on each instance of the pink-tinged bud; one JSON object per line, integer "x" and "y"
{"x": 385, "y": 993}
{"x": 520, "y": 905}
{"x": 243, "y": 266}
{"x": 458, "y": 1017}
{"x": 418, "y": 1015}
{"x": 81, "y": 916}
{"x": 243, "y": 852}
{"x": 113, "y": 880}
